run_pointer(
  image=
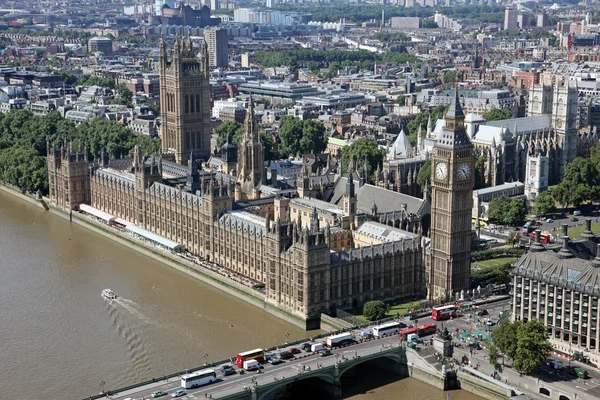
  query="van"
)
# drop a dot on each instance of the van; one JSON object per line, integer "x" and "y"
{"x": 580, "y": 373}
{"x": 317, "y": 347}
{"x": 251, "y": 365}
{"x": 413, "y": 337}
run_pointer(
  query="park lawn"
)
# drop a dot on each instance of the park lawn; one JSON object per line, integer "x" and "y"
{"x": 494, "y": 262}
{"x": 397, "y": 309}
{"x": 575, "y": 232}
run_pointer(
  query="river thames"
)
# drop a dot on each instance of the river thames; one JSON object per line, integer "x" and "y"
{"x": 61, "y": 339}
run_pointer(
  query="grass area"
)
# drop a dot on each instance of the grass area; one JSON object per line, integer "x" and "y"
{"x": 494, "y": 262}
{"x": 576, "y": 231}
{"x": 395, "y": 309}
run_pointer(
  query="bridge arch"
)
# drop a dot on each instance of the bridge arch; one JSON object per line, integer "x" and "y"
{"x": 315, "y": 375}
{"x": 544, "y": 391}
{"x": 398, "y": 358}
{"x": 563, "y": 397}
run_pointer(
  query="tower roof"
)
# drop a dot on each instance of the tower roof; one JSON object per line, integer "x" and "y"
{"x": 455, "y": 111}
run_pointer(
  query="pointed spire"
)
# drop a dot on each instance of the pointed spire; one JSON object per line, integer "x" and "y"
{"x": 455, "y": 111}
{"x": 204, "y": 57}
{"x": 429, "y": 126}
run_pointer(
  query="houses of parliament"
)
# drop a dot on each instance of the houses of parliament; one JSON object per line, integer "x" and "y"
{"x": 312, "y": 255}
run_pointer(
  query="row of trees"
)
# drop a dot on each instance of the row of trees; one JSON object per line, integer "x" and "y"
{"x": 295, "y": 137}
{"x": 23, "y": 138}
{"x": 333, "y": 60}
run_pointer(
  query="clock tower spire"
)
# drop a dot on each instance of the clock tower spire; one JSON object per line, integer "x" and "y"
{"x": 449, "y": 266}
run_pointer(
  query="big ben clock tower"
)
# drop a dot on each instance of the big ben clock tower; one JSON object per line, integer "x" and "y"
{"x": 451, "y": 203}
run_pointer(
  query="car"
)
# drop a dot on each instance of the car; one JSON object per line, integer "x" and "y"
{"x": 178, "y": 393}
{"x": 574, "y": 219}
{"x": 286, "y": 355}
{"x": 325, "y": 353}
{"x": 275, "y": 360}
{"x": 159, "y": 393}
{"x": 489, "y": 323}
{"x": 294, "y": 350}
{"x": 481, "y": 313}
{"x": 227, "y": 370}
{"x": 549, "y": 220}
{"x": 306, "y": 346}
{"x": 368, "y": 335}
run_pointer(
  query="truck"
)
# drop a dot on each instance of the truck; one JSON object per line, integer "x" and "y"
{"x": 251, "y": 365}
{"x": 340, "y": 340}
{"x": 317, "y": 347}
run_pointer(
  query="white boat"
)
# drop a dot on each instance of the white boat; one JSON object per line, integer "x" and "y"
{"x": 108, "y": 294}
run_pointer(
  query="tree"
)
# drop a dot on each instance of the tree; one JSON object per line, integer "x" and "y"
{"x": 301, "y": 136}
{"x": 429, "y": 23}
{"x": 544, "y": 204}
{"x": 401, "y": 100}
{"x": 493, "y": 353}
{"x": 124, "y": 93}
{"x": 223, "y": 130}
{"x": 516, "y": 212}
{"x": 504, "y": 211}
{"x": 375, "y": 310}
{"x": 452, "y": 76}
{"x": 532, "y": 346}
{"x": 505, "y": 337}
{"x": 580, "y": 183}
{"x": 497, "y": 114}
{"x": 497, "y": 209}
{"x": 360, "y": 150}
{"x": 424, "y": 175}
{"x": 268, "y": 144}
{"x": 512, "y": 238}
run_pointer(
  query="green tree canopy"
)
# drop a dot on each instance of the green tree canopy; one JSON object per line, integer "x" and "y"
{"x": 581, "y": 181}
{"x": 452, "y": 76}
{"x": 505, "y": 337}
{"x": 544, "y": 204}
{"x": 497, "y": 114}
{"x": 495, "y": 275}
{"x": 424, "y": 176}
{"x": 301, "y": 136}
{"x": 360, "y": 150}
{"x": 532, "y": 346}
{"x": 401, "y": 100}
{"x": 375, "y": 310}
{"x": 223, "y": 130}
{"x": 421, "y": 120}
{"x": 504, "y": 211}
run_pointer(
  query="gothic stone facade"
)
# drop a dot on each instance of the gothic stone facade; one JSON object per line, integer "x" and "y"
{"x": 301, "y": 272}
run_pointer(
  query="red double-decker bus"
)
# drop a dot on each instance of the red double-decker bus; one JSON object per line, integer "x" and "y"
{"x": 423, "y": 330}
{"x": 256, "y": 354}
{"x": 444, "y": 312}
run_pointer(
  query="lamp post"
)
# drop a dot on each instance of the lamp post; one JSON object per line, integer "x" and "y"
{"x": 205, "y": 358}
{"x": 287, "y": 336}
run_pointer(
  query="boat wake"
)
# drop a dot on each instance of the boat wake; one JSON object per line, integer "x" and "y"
{"x": 128, "y": 329}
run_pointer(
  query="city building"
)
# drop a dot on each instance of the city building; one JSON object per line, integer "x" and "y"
{"x": 185, "y": 101}
{"x": 405, "y": 22}
{"x": 218, "y": 52}
{"x": 559, "y": 285}
{"x": 452, "y": 182}
{"x": 159, "y": 4}
{"x": 100, "y": 44}
{"x": 511, "y": 15}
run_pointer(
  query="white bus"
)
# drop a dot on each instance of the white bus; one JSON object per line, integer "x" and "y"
{"x": 386, "y": 329}
{"x": 198, "y": 378}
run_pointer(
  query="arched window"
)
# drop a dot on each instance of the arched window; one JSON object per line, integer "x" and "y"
{"x": 192, "y": 103}
{"x": 187, "y": 103}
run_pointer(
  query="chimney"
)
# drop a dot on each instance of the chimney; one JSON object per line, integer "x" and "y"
{"x": 565, "y": 252}
{"x": 537, "y": 245}
{"x": 596, "y": 261}
{"x": 588, "y": 234}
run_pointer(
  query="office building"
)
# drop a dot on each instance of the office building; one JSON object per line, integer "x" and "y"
{"x": 511, "y": 16}
{"x": 217, "y": 42}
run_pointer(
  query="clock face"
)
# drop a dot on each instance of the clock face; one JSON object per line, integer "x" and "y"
{"x": 464, "y": 171}
{"x": 441, "y": 170}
